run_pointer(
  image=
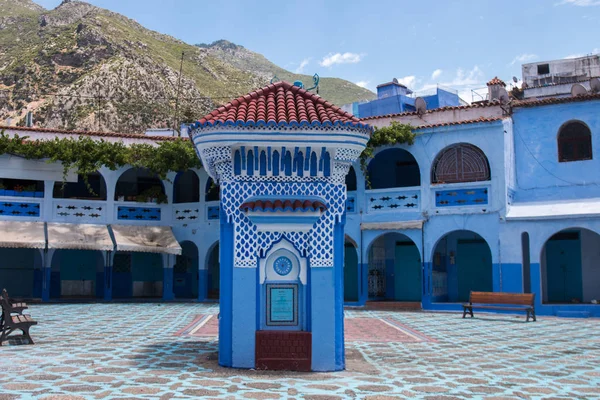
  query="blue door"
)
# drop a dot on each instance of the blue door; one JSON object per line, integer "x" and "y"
{"x": 407, "y": 272}
{"x": 474, "y": 268}
{"x": 564, "y": 281}
{"x": 17, "y": 271}
{"x": 350, "y": 273}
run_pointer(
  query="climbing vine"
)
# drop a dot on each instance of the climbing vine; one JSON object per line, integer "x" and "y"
{"x": 395, "y": 133}
{"x": 85, "y": 155}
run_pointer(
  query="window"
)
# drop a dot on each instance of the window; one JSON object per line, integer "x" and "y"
{"x": 574, "y": 142}
{"x": 543, "y": 69}
{"x": 460, "y": 163}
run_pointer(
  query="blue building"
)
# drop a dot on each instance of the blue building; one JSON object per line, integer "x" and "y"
{"x": 491, "y": 196}
{"x": 395, "y": 98}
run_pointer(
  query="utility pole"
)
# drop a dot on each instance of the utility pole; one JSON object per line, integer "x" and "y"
{"x": 175, "y": 128}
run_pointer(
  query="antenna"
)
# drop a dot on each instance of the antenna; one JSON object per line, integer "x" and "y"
{"x": 503, "y": 96}
{"x": 595, "y": 85}
{"x": 420, "y": 105}
{"x": 578, "y": 90}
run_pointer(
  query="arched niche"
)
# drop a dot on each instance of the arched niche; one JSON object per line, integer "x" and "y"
{"x": 186, "y": 187}
{"x": 137, "y": 184}
{"x": 350, "y": 180}
{"x": 94, "y": 189}
{"x": 394, "y": 168}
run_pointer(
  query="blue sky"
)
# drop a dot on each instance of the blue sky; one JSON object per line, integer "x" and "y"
{"x": 460, "y": 44}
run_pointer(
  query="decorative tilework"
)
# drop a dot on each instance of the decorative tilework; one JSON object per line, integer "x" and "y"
{"x": 185, "y": 213}
{"x": 79, "y": 211}
{"x": 394, "y": 200}
{"x": 139, "y": 213}
{"x": 461, "y": 197}
{"x": 19, "y": 209}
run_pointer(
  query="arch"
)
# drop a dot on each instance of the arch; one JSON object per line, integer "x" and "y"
{"x": 287, "y": 163}
{"x": 138, "y": 184}
{"x": 326, "y": 164}
{"x": 392, "y": 168}
{"x": 80, "y": 190}
{"x": 351, "y": 271}
{"x": 77, "y": 274}
{"x": 313, "y": 164}
{"x": 395, "y": 268}
{"x": 461, "y": 262}
{"x": 574, "y": 142}
{"x": 569, "y": 272}
{"x": 250, "y": 163}
{"x": 351, "y": 180}
{"x": 185, "y": 272}
{"x": 212, "y": 191}
{"x": 299, "y": 164}
{"x": 214, "y": 272}
{"x": 461, "y": 162}
{"x": 263, "y": 163}
{"x": 186, "y": 187}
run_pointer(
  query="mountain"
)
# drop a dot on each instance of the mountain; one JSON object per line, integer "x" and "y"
{"x": 82, "y": 67}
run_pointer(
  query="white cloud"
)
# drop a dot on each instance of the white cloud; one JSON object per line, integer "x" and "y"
{"x": 577, "y": 55}
{"x": 436, "y": 74}
{"x": 302, "y": 65}
{"x": 580, "y": 3}
{"x": 363, "y": 84}
{"x": 408, "y": 81}
{"x": 468, "y": 78}
{"x": 339, "y": 58}
{"x": 522, "y": 58}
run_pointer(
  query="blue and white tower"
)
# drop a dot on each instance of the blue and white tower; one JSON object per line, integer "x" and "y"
{"x": 281, "y": 155}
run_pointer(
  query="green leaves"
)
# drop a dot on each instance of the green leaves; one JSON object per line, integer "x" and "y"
{"x": 86, "y": 155}
{"x": 395, "y": 133}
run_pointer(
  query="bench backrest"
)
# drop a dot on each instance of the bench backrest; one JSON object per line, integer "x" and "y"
{"x": 525, "y": 299}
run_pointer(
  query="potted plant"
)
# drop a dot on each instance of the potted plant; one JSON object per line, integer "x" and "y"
{"x": 18, "y": 190}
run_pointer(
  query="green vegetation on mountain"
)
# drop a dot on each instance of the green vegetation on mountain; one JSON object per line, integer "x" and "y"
{"x": 82, "y": 67}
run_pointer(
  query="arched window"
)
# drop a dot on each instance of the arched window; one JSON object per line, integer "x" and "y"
{"x": 460, "y": 163}
{"x": 574, "y": 142}
{"x": 94, "y": 189}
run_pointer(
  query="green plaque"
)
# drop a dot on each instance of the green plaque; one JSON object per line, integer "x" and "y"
{"x": 282, "y": 305}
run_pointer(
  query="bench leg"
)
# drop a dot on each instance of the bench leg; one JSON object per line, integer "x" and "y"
{"x": 26, "y": 334}
{"x": 533, "y": 315}
{"x": 527, "y": 320}
{"x": 464, "y": 311}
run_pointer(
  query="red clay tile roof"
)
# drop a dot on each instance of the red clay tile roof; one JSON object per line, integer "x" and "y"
{"x": 283, "y": 205}
{"x": 465, "y": 122}
{"x": 496, "y": 81}
{"x": 555, "y": 100}
{"x": 90, "y": 133}
{"x": 279, "y": 103}
{"x": 446, "y": 108}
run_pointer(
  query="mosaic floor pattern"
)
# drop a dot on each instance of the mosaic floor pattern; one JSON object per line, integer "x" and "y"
{"x": 147, "y": 351}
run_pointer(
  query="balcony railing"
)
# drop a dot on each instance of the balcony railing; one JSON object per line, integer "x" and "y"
{"x": 138, "y": 212}
{"x": 395, "y": 200}
{"x": 351, "y": 202}
{"x": 29, "y": 209}
{"x": 186, "y": 213}
{"x": 462, "y": 197}
{"x": 78, "y": 211}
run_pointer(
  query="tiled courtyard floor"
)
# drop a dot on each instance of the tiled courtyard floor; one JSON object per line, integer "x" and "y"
{"x": 118, "y": 351}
